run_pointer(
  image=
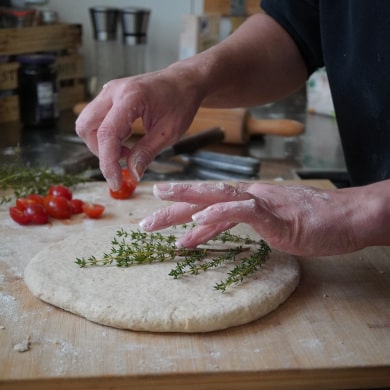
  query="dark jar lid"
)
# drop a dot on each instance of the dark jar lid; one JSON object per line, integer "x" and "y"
{"x": 36, "y": 59}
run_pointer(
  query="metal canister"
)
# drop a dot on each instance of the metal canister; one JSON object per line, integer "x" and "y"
{"x": 38, "y": 90}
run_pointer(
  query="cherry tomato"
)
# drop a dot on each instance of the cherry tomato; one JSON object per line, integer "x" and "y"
{"x": 37, "y": 214}
{"x": 22, "y": 203}
{"x": 60, "y": 190}
{"x": 58, "y": 207}
{"x": 127, "y": 188}
{"x": 19, "y": 216}
{"x": 77, "y": 206}
{"x": 34, "y": 214}
{"x": 93, "y": 210}
{"x": 35, "y": 198}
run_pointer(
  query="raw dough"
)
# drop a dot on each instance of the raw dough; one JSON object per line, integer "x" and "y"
{"x": 145, "y": 297}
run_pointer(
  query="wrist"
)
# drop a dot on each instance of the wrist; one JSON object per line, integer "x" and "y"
{"x": 373, "y": 218}
{"x": 191, "y": 76}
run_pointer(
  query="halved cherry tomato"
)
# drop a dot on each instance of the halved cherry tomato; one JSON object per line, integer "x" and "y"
{"x": 77, "y": 206}
{"x": 34, "y": 214}
{"x": 93, "y": 210}
{"x": 60, "y": 190}
{"x": 58, "y": 206}
{"x": 35, "y": 198}
{"x": 127, "y": 188}
{"x": 19, "y": 216}
{"x": 22, "y": 203}
{"x": 37, "y": 214}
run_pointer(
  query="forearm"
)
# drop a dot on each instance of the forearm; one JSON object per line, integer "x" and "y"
{"x": 371, "y": 220}
{"x": 256, "y": 64}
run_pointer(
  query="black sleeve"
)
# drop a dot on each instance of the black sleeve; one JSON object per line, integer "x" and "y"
{"x": 300, "y": 18}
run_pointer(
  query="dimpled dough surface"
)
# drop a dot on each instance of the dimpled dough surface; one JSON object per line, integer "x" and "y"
{"x": 145, "y": 297}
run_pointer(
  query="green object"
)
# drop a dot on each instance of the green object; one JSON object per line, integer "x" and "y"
{"x": 136, "y": 247}
{"x": 23, "y": 181}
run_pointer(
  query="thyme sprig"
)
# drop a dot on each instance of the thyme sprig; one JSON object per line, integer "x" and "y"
{"x": 136, "y": 247}
{"x": 248, "y": 266}
{"x": 25, "y": 180}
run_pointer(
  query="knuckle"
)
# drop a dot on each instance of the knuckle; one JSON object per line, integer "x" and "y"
{"x": 105, "y": 132}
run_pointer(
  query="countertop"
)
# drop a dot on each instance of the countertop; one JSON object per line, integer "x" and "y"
{"x": 332, "y": 333}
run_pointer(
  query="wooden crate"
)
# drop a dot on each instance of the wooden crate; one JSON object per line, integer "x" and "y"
{"x": 9, "y": 109}
{"x": 14, "y": 41}
{"x": 62, "y": 37}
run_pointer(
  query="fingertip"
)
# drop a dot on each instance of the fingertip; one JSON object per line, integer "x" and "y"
{"x": 163, "y": 189}
{"x": 113, "y": 176}
{"x": 136, "y": 166}
{"x": 146, "y": 224}
{"x": 184, "y": 243}
{"x": 179, "y": 244}
{"x": 200, "y": 217}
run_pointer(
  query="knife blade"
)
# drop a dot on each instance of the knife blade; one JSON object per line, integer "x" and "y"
{"x": 243, "y": 165}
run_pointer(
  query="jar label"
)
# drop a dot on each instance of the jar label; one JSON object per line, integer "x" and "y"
{"x": 45, "y": 93}
{"x": 47, "y": 100}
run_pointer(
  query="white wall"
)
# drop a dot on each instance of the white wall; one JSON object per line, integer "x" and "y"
{"x": 164, "y": 26}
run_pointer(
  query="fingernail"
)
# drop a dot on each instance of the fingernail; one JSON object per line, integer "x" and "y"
{"x": 114, "y": 180}
{"x": 137, "y": 168}
{"x": 162, "y": 189}
{"x": 113, "y": 184}
{"x": 146, "y": 223}
{"x": 138, "y": 171}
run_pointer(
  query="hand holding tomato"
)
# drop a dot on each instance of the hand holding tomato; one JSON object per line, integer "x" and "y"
{"x": 127, "y": 187}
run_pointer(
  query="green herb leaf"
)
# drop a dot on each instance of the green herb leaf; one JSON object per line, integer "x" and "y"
{"x": 27, "y": 180}
{"x": 136, "y": 247}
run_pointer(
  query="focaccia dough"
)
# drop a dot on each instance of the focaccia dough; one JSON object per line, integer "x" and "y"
{"x": 145, "y": 297}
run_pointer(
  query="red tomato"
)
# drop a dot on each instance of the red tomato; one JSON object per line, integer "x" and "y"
{"x": 127, "y": 188}
{"x": 35, "y": 198}
{"x": 19, "y": 216}
{"x": 34, "y": 214}
{"x": 37, "y": 214}
{"x": 58, "y": 206}
{"x": 22, "y": 203}
{"x": 60, "y": 190}
{"x": 77, "y": 206}
{"x": 93, "y": 210}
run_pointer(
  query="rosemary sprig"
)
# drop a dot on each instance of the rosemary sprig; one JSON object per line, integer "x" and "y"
{"x": 136, "y": 247}
{"x": 25, "y": 180}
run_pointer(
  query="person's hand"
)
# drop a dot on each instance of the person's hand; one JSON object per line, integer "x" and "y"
{"x": 295, "y": 219}
{"x": 157, "y": 98}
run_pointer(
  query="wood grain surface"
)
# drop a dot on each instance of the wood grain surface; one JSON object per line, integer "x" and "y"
{"x": 332, "y": 333}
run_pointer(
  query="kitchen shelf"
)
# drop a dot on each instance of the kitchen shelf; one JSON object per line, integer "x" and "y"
{"x": 61, "y": 39}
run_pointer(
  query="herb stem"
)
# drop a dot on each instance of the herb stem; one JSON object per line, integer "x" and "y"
{"x": 146, "y": 248}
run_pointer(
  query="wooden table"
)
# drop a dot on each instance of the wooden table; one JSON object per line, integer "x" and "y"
{"x": 333, "y": 332}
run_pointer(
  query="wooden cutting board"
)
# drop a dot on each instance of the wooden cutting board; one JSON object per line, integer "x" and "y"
{"x": 333, "y": 332}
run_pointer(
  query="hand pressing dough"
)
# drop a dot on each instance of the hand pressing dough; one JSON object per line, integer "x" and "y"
{"x": 145, "y": 297}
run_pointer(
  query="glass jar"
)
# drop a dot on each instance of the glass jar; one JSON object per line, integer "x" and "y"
{"x": 38, "y": 90}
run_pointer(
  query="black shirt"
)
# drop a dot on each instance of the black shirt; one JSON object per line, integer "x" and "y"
{"x": 351, "y": 38}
